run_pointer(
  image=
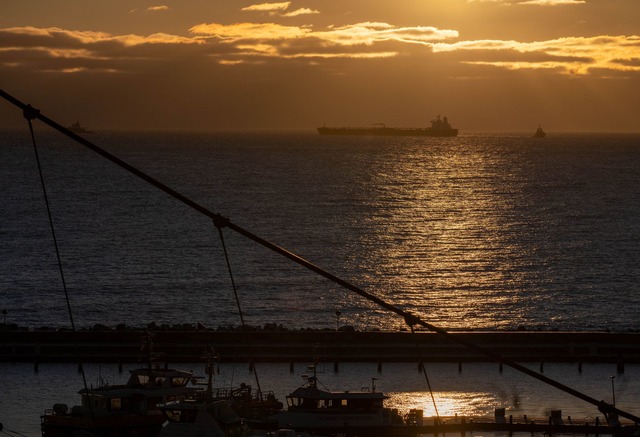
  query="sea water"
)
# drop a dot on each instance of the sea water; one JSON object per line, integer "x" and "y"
{"x": 476, "y": 389}
{"x": 481, "y": 231}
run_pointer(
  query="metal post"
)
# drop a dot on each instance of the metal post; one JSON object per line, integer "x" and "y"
{"x": 613, "y": 390}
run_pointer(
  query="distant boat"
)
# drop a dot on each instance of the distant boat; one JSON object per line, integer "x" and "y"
{"x": 77, "y": 128}
{"x": 439, "y": 128}
{"x": 539, "y": 133}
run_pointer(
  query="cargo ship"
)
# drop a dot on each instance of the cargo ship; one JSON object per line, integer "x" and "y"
{"x": 440, "y": 127}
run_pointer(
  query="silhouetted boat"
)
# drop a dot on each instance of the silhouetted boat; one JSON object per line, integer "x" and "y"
{"x": 440, "y": 127}
{"x": 216, "y": 414}
{"x": 314, "y": 410}
{"x": 121, "y": 410}
{"x": 539, "y": 133}
{"x": 77, "y": 128}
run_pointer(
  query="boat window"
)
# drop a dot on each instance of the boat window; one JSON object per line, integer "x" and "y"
{"x": 293, "y": 402}
{"x": 143, "y": 379}
{"x": 115, "y": 404}
{"x": 344, "y": 403}
{"x": 97, "y": 402}
{"x": 179, "y": 381}
{"x": 172, "y": 415}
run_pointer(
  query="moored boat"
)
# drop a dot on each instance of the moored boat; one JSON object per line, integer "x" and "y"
{"x": 316, "y": 410}
{"x": 121, "y": 410}
{"x": 219, "y": 413}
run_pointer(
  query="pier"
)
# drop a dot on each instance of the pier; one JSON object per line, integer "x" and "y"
{"x": 188, "y": 345}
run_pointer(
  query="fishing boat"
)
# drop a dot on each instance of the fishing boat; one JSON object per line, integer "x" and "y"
{"x": 539, "y": 133}
{"x": 215, "y": 413}
{"x": 313, "y": 409}
{"x": 440, "y": 127}
{"x": 121, "y": 410}
{"x": 254, "y": 406}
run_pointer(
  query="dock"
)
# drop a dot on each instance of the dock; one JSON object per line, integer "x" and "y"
{"x": 188, "y": 345}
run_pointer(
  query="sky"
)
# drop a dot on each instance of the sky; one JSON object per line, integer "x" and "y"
{"x": 489, "y": 65}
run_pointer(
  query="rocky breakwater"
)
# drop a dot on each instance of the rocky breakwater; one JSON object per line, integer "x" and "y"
{"x": 187, "y": 343}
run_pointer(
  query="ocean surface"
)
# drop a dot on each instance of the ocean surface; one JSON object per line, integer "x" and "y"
{"x": 482, "y": 231}
{"x": 473, "y": 232}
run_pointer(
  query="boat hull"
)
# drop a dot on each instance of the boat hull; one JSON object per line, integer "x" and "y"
{"x": 105, "y": 426}
{"x": 388, "y": 131}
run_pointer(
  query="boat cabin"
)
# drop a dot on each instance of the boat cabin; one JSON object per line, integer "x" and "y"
{"x": 145, "y": 389}
{"x": 305, "y": 398}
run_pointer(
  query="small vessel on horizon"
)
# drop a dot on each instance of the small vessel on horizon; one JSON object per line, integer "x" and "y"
{"x": 78, "y": 128}
{"x": 539, "y": 133}
{"x": 440, "y": 127}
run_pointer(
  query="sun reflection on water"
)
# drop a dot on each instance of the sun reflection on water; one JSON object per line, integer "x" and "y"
{"x": 455, "y": 403}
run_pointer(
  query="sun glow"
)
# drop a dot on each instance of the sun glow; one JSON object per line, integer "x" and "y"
{"x": 448, "y": 404}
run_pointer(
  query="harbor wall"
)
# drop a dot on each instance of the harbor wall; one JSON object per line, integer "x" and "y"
{"x": 306, "y": 345}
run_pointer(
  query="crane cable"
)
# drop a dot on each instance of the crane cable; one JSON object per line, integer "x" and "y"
{"x": 30, "y": 114}
{"x": 426, "y": 377}
{"x": 218, "y": 224}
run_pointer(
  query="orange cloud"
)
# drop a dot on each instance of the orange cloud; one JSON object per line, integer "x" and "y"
{"x": 553, "y": 2}
{"x": 249, "y": 31}
{"x": 301, "y": 11}
{"x": 532, "y": 2}
{"x": 360, "y": 33}
{"x": 268, "y": 7}
{"x": 259, "y": 42}
{"x": 575, "y": 55}
{"x": 157, "y": 8}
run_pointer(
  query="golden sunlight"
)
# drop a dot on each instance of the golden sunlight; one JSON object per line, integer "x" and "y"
{"x": 447, "y": 404}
